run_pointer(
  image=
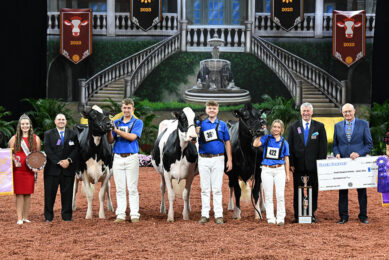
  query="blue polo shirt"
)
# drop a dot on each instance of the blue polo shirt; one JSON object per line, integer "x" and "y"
{"x": 217, "y": 146}
{"x": 123, "y": 145}
{"x": 273, "y": 143}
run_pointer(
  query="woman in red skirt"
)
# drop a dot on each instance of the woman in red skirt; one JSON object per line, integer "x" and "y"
{"x": 24, "y": 142}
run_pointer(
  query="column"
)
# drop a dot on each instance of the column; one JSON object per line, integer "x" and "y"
{"x": 111, "y": 18}
{"x": 319, "y": 6}
{"x": 183, "y": 24}
{"x": 249, "y": 25}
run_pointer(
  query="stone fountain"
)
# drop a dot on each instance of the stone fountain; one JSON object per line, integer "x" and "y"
{"x": 215, "y": 81}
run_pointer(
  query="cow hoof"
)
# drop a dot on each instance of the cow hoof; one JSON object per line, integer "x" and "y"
{"x": 236, "y": 214}
{"x": 102, "y": 216}
{"x": 186, "y": 217}
{"x": 230, "y": 207}
{"x": 170, "y": 220}
{"x": 88, "y": 217}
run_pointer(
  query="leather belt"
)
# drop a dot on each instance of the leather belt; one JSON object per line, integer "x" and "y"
{"x": 125, "y": 154}
{"x": 273, "y": 166}
{"x": 209, "y": 155}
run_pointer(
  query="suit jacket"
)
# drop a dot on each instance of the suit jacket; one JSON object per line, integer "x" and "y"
{"x": 56, "y": 152}
{"x": 303, "y": 157}
{"x": 360, "y": 142}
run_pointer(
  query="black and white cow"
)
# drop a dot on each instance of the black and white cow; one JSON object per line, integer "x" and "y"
{"x": 96, "y": 160}
{"x": 245, "y": 159}
{"x": 174, "y": 156}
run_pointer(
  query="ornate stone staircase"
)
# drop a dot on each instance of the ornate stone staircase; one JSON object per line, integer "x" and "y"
{"x": 115, "y": 91}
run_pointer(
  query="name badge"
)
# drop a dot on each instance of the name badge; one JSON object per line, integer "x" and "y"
{"x": 123, "y": 128}
{"x": 272, "y": 153}
{"x": 59, "y": 142}
{"x": 71, "y": 143}
{"x": 210, "y": 135}
{"x": 313, "y": 137}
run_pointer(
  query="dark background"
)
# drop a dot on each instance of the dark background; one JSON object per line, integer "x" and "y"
{"x": 24, "y": 62}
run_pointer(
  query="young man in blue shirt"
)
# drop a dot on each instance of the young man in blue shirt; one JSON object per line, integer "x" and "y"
{"x": 213, "y": 142}
{"x": 126, "y": 133}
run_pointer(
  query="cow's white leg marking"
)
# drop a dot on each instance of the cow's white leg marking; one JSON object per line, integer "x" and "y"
{"x": 237, "y": 212}
{"x": 171, "y": 196}
{"x": 75, "y": 190}
{"x": 102, "y": 192}
{"x": 231, "y": 204}
{"x": 89, "y": 190}
{"x": 186, "y": 195}
{"x": 108, "y": 190}
{"x": 162, "y": 208}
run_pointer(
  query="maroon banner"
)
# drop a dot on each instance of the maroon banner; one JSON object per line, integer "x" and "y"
{"x": 76, "y": 34}
{"x": 348, "y": 36}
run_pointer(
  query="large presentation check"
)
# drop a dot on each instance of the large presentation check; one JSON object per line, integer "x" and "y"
{"x": 338, "y": 174}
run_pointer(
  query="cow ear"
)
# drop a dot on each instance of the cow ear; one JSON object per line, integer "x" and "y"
{"x": 176, "y": 114}
{"x": 236, "y": 113}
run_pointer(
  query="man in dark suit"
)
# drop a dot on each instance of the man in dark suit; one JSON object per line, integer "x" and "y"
{"x": 61, "y": 147}
{"x": 352, "y": 139}
{"x": 308, "y": 142}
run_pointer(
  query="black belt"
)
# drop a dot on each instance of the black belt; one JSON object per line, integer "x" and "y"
{"x": 273, "y": 166}
{"x": 210, "y": 155}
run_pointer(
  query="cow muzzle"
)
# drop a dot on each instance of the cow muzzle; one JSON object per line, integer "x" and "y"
{"x": 193, "y": 139}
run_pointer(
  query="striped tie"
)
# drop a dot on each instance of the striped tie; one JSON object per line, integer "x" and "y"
{"x": 348, "y": 131}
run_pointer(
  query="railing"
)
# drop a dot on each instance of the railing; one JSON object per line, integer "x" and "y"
{"x": 114, "y": 72}
{"x": 153, "y": 59}
{"x": 264, "y": 53}
{"x": 327, "y": 84}
{"x": 233, "y": 36}
{"x": 123, "y": 24}
{"x": 264, "y": 26}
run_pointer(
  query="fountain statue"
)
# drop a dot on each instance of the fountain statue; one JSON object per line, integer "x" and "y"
{"x": 215, "y": 81}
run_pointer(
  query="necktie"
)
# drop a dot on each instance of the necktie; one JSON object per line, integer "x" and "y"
{"x": 61, "y": 132}
{"x": 348, "y": 131}
{"x": 306, "y": 132}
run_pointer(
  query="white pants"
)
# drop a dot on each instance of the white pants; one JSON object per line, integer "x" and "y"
{"x": 126, "y": 173}
{"x": 211, "y": 178}
{"x": 271, "y": 176}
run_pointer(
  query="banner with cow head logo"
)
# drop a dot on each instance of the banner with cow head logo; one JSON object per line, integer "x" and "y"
{"x": 287, "y": 13}
{"x": 348, "y": 36}
{"x": 146, "y": 13}
{"x": 76, "y": 34}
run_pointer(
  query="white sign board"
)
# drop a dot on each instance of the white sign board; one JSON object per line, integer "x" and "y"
{"x": 345, "y": 173}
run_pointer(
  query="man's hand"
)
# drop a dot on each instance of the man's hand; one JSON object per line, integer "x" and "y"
{"x": 292, "y": 169}
{"x": 354, "y": 155}
{"x": 64, "y": 163}
{"x": 229, "y": 165}
{"x": 337, "y": 156}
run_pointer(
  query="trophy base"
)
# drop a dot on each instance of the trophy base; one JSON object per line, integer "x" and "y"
{"x": 305, "y": 220}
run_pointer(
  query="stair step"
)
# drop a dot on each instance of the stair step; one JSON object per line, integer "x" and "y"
{"x": 327, "y": 111}
{"x": 323, "y": 105}
{"x": 99, "y": 103}
{"x": 104, "y": 98}
{"x": 316, "y": 100}
{"x": 111, "y": 92}
{"x": 98, "y": 94}
{"x": 318, "y": 95}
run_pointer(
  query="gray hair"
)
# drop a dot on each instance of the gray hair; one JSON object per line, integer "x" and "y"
{"x": 306, "y": 104}
{"x": 348, "y": 104}
{"x": 60, "y": 114}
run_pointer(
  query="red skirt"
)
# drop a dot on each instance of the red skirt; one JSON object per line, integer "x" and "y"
{"x": 23, "y": 182}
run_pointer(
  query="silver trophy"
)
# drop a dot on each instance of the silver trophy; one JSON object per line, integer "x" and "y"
{"x": 305, "y": 202}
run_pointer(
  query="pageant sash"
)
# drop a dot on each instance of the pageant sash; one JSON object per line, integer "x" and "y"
{"x": 6, "y": 177}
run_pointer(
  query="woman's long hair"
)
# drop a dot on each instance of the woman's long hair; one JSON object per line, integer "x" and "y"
{"x": 19, "y": 135}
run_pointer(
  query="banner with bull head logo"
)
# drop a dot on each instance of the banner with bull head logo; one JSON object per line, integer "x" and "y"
{"x": 76, "y": 34}
{"x": 287, "y": 13}
{"x": 146, "y": 13}
{"x": 348, "y": 36}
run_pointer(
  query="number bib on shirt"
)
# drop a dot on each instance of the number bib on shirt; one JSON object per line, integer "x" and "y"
{"x": 210, "y": 135}
{"x": 272, "y": 153}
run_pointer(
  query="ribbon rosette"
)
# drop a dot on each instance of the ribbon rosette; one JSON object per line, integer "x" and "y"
{"x": 383, "y": 181}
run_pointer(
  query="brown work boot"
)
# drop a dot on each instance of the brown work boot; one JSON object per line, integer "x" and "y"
{"x": 203, "y": 220}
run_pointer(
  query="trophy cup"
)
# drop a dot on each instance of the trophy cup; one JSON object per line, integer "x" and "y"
{"x": 305, "y": 202}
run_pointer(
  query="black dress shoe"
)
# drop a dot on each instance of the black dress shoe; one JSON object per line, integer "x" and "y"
{"x": 47, "y": 220}
{"x": 342, "y": 221}
{"x": 295, "y": 221}
{"x": 68, "y": 220}
{"x": 314, "y": 219}
{"x": 364, "y": 221}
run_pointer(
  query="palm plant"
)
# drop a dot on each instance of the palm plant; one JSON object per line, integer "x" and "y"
{"x": 7, "y": 128}
{"x": 112, "y": 108}
{"x": 45, "y": 111}
{"x": 379, "y": 125}
{"x": 280, "y": 109}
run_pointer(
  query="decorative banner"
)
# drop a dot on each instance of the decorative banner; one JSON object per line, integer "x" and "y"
{"x": 348, "y": 35}
{"x": 287, "y": 13}
{"x": 76, "y": 34}
{"x": 146, "y": 13}
{"x": 6, "y": 177}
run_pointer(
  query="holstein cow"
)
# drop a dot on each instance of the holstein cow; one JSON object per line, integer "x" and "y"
{"x": 96, "y": 160}
{"x": 245, "y": 159}
{"x": 174, "y": 156}
{"x": 75, "y": 22}
{"x": 349, "y": 24}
